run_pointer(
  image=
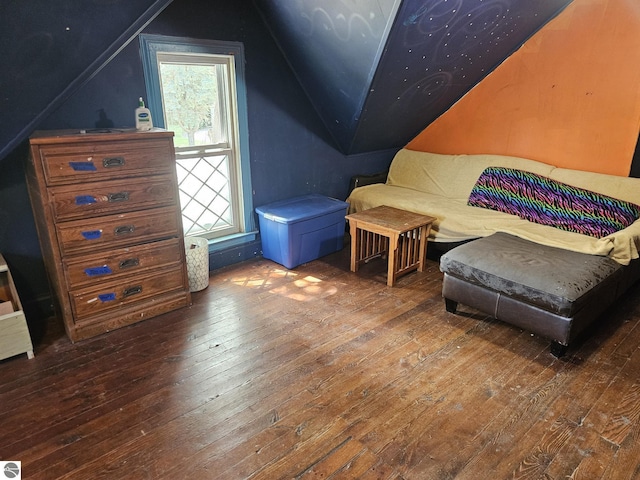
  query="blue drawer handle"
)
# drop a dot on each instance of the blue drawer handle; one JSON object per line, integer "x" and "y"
{"x": 85, "y": 200}
{"x": 107, "y": 297}
{"x": 97, "y": 271}
{"x": 83, "y": 166}
{"x": 92, "y": 234}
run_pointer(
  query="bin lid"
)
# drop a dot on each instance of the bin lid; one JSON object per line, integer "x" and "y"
{"x": 301, "y": 208}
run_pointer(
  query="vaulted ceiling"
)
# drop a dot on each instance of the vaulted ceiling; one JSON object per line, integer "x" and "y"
{"x": 50, "y": 49}
{"x": 376, "y": 71}
{"x": 379, "y": 71}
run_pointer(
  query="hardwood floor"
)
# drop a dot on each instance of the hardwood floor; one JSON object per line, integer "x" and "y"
{"x": 318, "y": 372}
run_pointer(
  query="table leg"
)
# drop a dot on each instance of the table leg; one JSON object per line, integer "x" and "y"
{"x": 355, "y": 246}
{"x": 424, "y": 234}
{"x": 391, "y": 266}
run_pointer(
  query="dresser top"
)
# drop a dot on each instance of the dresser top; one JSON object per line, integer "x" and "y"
{"x": 95, "y": 134}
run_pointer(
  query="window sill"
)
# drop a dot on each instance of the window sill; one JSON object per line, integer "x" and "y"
{"x": 229, "y": 241}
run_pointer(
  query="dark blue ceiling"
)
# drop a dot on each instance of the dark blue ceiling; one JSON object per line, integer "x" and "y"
{"x": 48, "y": 49}
{"x": 378, "y": 72}
{"x": 333, "y": 47}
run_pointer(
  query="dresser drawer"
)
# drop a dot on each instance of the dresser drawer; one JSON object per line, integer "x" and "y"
{"x": 99, "y": 198}
{"x": 113, "y": 231}
{"x": 93, "y": 269}
{"x": 114, "y": 294}
{"x": 105, "y": 160}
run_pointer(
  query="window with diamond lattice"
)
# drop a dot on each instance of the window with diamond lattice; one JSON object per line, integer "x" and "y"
{"x": 198, "y": 88}
{"x": 205, "y": 193}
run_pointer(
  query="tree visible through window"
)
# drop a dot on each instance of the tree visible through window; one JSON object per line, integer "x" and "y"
{"x": 195, "y": 88}
{"x": 189, "y": 94}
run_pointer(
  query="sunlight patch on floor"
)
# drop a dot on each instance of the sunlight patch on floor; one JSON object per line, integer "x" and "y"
{"x": 301, "y": 289}
{"x": 263, "y": 281}
{"x": 305, "y": 289}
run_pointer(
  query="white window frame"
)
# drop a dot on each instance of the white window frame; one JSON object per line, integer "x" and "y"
{"x": 155, "y": 47}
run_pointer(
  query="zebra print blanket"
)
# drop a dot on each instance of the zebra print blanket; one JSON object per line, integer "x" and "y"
{"x": 548, "y": 202}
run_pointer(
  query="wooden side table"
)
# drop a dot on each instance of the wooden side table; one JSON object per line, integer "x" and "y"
{"x": 383, "y": 230}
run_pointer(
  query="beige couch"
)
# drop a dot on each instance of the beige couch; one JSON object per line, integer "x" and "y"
{"x": 439, "y": 185}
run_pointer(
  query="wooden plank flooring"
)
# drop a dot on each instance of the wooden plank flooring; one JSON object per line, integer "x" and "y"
{"x": 318, "y": 372}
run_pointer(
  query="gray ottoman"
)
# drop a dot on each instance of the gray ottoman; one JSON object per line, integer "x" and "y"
{"x": 548, "y": 291}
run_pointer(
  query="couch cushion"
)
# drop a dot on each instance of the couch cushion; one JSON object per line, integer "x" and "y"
{"x": 624, "y": 188}
{"x": 451, "y": 176}
{"x": 545, "y": 201}
{"x": 556, "y": 280}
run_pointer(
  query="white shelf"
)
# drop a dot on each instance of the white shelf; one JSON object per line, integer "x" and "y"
{"x": 14, "y": 332}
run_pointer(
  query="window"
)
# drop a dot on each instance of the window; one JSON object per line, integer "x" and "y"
{"x": 196, "y": 89}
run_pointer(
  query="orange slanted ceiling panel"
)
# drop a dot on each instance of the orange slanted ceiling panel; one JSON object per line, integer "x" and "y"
{"x": 569, "y": 97}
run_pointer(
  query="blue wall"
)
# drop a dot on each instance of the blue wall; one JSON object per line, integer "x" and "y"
{"x": 291, "y": 151}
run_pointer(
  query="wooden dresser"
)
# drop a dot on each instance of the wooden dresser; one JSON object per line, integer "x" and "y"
{"x": 108, "y": 218}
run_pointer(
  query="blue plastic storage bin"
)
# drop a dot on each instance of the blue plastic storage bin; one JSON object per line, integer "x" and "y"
{"x": 301, "y": 229}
